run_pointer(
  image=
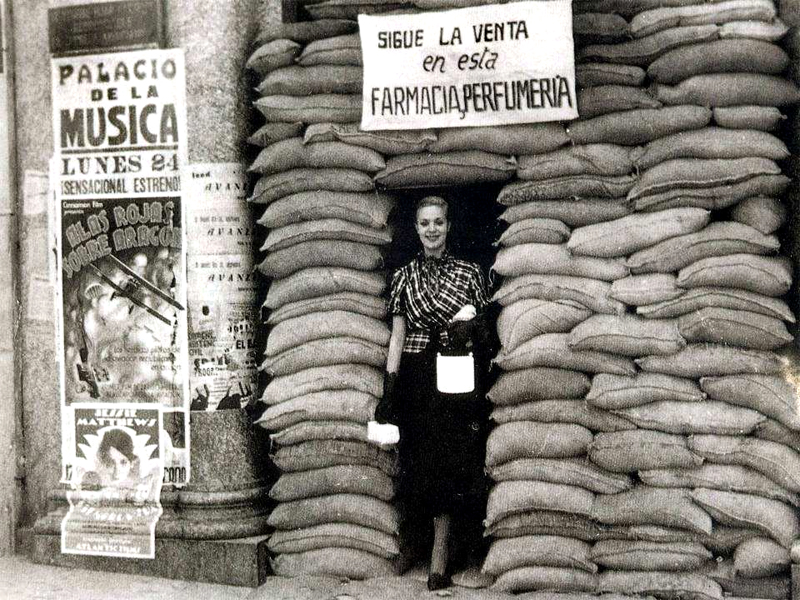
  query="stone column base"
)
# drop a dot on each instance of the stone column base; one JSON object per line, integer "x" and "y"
{"x": 241, "y": 562}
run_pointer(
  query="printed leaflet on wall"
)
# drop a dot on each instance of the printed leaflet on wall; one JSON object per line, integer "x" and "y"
{"x": 223, "y": 313}
{"x": 114, "y": 504}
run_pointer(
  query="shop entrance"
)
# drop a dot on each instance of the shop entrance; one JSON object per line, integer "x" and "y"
{"x": 473, "y": 212}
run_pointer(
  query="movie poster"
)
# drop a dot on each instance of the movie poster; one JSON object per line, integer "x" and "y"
{"x": 114, "y": 503}
{"x": 120, "y": 146}
{"x": 223, "y": 303}
{"x": 120, "y": 124}
{"x": 123, "y": 300}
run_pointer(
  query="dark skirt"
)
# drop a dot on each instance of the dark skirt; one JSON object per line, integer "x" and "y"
{"x": 442, "y": 439}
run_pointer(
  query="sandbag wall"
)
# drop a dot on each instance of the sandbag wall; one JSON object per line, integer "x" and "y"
{"x": 646, "y": 423}
{"x": 327, "y": 341}
{"x": 642, "y": 283}
{"x": 327, "y": 337}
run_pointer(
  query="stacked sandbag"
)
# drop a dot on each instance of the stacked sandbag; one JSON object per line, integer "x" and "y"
{"x": 469, "y": 155}
{"x": 327, "y": 334}
{"x": 641, "y": 269}
{"x": 564, "y": 467}
{"x": 350, "y": 9}
{"x": 704, "y": 291}
{"x": 540, "y": 509}
{"x": 681, "y": 55}
{"x": 643, "y": 257}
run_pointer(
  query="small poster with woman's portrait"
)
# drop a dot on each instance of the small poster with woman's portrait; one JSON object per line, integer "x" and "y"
{"x": 114, "y": 503}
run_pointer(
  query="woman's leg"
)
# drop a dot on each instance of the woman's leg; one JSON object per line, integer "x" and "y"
{"x": 438, "y": 577}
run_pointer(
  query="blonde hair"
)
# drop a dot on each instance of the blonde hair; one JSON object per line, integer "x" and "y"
{"x": 433, "y": 201}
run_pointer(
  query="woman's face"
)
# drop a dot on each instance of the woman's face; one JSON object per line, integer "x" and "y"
{"x": 432, "y": 227}
{"x": 114, "y": 467}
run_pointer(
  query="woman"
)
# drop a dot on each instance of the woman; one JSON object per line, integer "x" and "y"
{"x": 117, "y": 467}
{"x": 437, "y": 302}
{"x": 116, "y": 462}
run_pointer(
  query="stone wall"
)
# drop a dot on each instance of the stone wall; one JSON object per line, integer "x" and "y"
{"x": 214, "y": 35}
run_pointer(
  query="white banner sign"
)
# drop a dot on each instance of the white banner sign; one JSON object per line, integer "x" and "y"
{"x": 485, "y": 65}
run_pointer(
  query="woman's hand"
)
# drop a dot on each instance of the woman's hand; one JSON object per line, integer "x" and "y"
{"x": 466, "y": 313}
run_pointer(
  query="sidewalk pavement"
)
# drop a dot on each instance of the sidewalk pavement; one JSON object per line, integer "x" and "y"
{"x": 21, "y": 579}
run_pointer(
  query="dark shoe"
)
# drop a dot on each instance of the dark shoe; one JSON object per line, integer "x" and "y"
{"x": 438, "y": 581}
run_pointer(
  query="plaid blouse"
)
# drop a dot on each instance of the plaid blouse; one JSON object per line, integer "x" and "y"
{"x": 429, "y": 291}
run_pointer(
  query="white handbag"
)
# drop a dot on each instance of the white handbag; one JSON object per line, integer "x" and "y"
{"x": 455, "y": 374}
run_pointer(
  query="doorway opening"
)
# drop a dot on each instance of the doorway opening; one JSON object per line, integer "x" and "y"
{"x": 473, "y": 213}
